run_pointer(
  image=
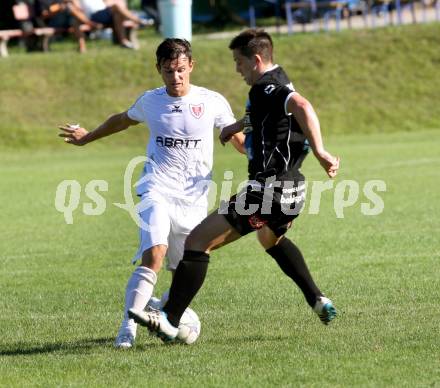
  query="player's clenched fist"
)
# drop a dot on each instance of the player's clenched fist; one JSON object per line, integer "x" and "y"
{"x": 329, "y": 163}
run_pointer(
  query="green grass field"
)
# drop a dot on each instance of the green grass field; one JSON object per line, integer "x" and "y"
{"x": 62, "y": 285}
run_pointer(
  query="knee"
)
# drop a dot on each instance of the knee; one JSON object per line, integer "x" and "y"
{"x": 190, "y": 242}
{"x": 116, "y": 8}
{"x": 267, "y": 238}
{"x": 195, "y": 242}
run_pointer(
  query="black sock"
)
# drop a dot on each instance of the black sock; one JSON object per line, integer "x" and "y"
{"x": 291, "y": 261}
{"x": 188, "y": 279}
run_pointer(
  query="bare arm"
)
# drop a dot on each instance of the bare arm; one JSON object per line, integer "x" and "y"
{"x": 233, "y": 133}
{"x": 309, "y": 123}
{"x": 80, "y": 136}
{"x": 237, "y": 141}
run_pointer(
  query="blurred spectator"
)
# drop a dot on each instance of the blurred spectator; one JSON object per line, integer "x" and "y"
{"x": 60, "y": 13}
{"x": 64, "y": 14}
{"x": 112, "y": 13}
{"x": 7, "y": 19}
{"x": 24, "y": 19}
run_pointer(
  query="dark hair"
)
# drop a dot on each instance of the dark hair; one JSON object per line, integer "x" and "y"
{"x": 173, "y": 48}
{"x": 253, "y": 41}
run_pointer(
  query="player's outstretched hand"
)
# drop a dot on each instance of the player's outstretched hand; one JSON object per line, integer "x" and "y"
{"x": 73, "y": 134}
{"x": 329, "y": 163}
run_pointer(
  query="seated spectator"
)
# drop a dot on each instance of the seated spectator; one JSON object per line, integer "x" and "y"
{"x": 111, "y": 13}
{"x": 57, "y": 12}
{"x": 64, "y": 14}
{"x": 9, "y": 10}
{"x": 7, "y": 19}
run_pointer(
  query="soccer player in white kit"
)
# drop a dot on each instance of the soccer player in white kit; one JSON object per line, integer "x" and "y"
{"x": 174, "y": 187}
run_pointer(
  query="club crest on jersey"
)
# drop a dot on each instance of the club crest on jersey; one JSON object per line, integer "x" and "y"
{"x": 197, "y": 110}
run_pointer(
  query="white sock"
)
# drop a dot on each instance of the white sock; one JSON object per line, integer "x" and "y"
{"x": 139, "y": 290}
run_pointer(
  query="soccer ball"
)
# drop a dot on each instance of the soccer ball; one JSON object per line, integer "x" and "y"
{"x": 189, "y": 326}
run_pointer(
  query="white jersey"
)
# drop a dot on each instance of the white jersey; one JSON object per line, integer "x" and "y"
{"x": 180, "y": 150}
{"x": 91, "y": 6}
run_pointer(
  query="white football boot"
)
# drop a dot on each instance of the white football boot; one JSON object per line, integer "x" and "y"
{"x": 124, "y": 340}
{"x": 156, "y": 321}
{"x": 325, "y": 310}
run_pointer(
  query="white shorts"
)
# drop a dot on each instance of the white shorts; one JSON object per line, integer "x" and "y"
{"x": 168, "y": 224}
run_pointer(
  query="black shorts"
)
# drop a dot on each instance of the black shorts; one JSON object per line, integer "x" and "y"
{"x": 104, "y": 16}
{"x": 255, "y": 207}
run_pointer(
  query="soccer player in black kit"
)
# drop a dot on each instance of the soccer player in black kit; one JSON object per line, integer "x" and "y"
{"x": 280, "y": 128}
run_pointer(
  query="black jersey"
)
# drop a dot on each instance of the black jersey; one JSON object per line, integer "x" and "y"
{"x": 275, "y": 143}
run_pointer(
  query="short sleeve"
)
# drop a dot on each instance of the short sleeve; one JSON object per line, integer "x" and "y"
{"x": 224, "y": 115}
{"x": 272, "y": 95}
{"x": 136, "y": 111}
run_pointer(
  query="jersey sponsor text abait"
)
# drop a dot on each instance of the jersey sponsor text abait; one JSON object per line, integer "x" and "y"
{"x": 180, "y": 148}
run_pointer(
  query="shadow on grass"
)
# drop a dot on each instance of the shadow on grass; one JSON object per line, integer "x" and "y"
{"x": 86, "y": 344}
{"x": 23, "y": 349}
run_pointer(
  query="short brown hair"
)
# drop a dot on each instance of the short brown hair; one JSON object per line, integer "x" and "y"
{"x": 173, "y": 48}
{"x": 253, "y": 41}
